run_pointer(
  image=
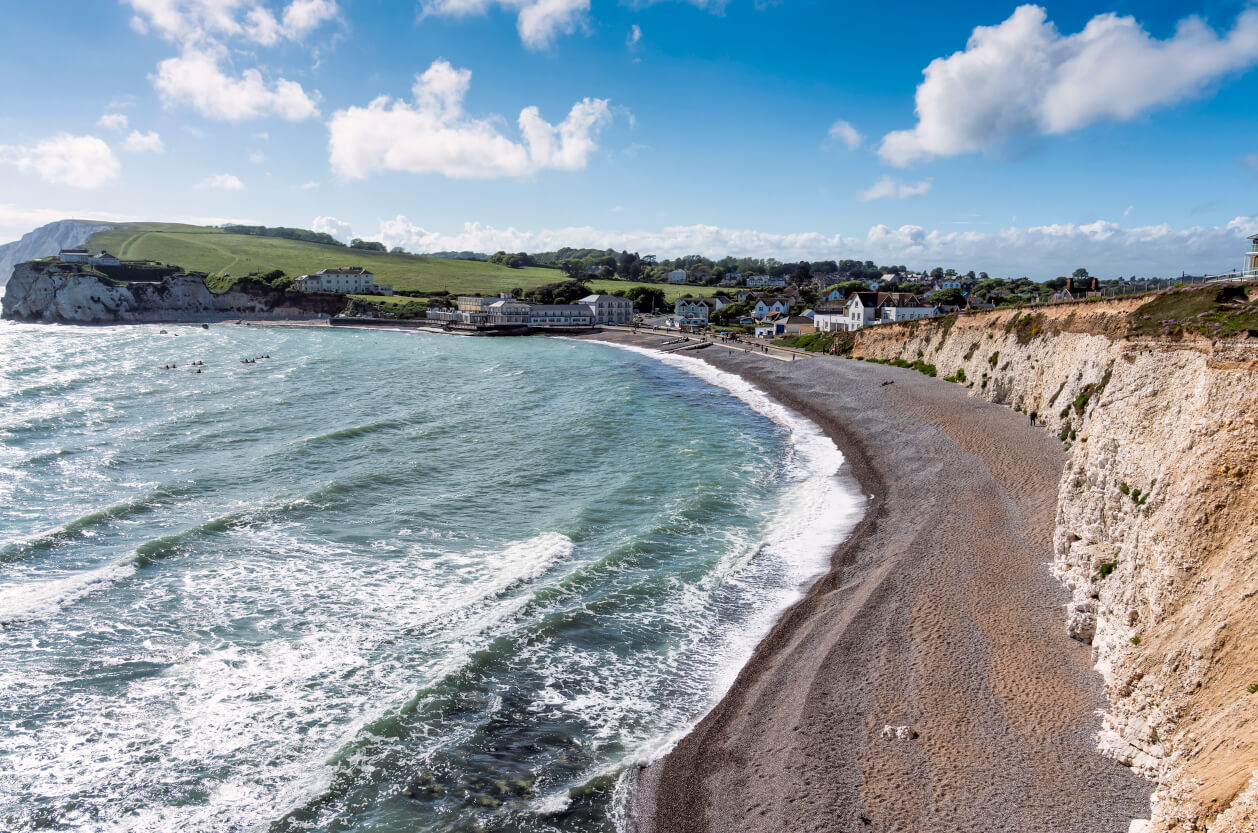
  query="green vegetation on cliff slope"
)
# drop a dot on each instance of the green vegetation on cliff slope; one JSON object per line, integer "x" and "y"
{"x": 1225, "y": 310}
{"x": 217, "y": 251}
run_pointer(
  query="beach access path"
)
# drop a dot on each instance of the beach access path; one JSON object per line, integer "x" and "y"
{"x": 939, "y": 614}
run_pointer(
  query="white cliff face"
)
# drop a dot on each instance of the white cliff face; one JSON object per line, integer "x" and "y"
{"x": 63, "y": 293}
{"x": 44, "y": 241}
{"x": 1157, "y": 530}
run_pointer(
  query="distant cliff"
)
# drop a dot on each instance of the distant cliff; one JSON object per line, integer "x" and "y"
{"x": 44, "y": 241}
{"x": 65, "y": 293}
{"x": 1157, "y": 516}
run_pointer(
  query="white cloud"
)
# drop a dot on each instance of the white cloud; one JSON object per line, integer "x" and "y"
{"x": 635, "y": 36}
{"x": 220, "y": 182}
{"x": 1039, "y": 251}
{"x": 1130, "y": 209}
{"x": 539, "y": 22}
{"x": 301, "y": 17}
{"x": 330, "y": 225}
{"x": 1022, "y": 76}
{"x": 434, "y": 135}
{"x": 63, "y": 159}
{"x": 309, "y": 185}
{"x": 196, "y": 21}
{"x": 887, "y": 188}
{"x": 257, "y": 158}
{"x": 138, "y": 142}
{"x": 194, "y": 79}
{"x": 1250, "y": 160}
{"x": 112, "y": 121}
{"x": 842, "y": 131}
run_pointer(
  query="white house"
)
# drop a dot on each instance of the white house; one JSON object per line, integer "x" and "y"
{"x": 830, "y": 318}
{"x": 560, "y": 315}
{"x": 105, "y": 259}
{"x": 1251, "y": 258}
{"x": 865, "y": 308}
{"x": 692, "y": 310}
{"x": 766, "y": 280}
{"x": 902, "y": 306}
{"x": 75, "y": 255}
{"x": 609, "y": 309}
{"x": 345, "y": 279}
{"x": 766, "y": 306}
{"x": 677, "y": 276}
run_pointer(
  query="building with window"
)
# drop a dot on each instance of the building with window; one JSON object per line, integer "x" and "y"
{"x": 75, "y": 255}
{"x": 347, "y": 279}
{"x": 609, "y": 309}
{"x": 1251, "y": 259}
{"x": 560, "y": 315}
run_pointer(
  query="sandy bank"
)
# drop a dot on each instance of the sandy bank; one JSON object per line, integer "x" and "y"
{"x": 939, "y": 614}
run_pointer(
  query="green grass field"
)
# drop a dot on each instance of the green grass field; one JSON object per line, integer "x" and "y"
{"x": 211, "y": 250}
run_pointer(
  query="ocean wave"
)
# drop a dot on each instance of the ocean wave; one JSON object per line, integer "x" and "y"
{"x": 84, "y": 525}
{"x": 353, "y": 431}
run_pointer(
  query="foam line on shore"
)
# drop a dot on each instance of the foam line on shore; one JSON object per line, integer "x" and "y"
{"x": 817, "y": 513}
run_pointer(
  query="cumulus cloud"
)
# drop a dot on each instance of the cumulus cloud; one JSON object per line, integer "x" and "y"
{"x": 887, "y": 188}
{"x": 220, "y": 182}
{"x": 1023, "y": 76}
{"x": 539, "y": 22}
{"x": 112, "y": 121}
{"x": 330, "y": 225}
{"x": 63, "y": 159}
{"x": 138, "y": 142}
{"x": 194, "y": 79}
{"x": 843, "y": 132}
{"x": 434, "y": 135}
{"x": 1038, "y": 251}
{"x": 202, "y": 28}
{"x": 189, "y": 21}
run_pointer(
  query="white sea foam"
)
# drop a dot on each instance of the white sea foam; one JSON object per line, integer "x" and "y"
{"x": 815, "y": 513}
{"x": 37, "y": 599}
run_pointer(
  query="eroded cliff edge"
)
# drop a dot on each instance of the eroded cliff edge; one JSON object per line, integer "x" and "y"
{"x": 64, "y": 293}
{"x": 1156, "y": 532}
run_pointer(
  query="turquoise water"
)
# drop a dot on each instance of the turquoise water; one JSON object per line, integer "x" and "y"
{"x": 379, "y": 581}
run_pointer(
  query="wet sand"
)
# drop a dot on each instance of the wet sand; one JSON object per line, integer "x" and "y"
{"x": 939, "y": 614}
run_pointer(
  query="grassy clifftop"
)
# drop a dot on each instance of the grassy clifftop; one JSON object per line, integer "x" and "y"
{"x": 212, "y": 250}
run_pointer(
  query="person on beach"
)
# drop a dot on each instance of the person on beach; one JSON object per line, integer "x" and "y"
{"x": 1033, "y": 416}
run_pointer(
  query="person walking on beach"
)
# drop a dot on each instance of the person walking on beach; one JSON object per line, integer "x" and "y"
{"x": 1033, "y": 415}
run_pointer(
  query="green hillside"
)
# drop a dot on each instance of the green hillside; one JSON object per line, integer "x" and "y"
{"x": 214, "y": 251}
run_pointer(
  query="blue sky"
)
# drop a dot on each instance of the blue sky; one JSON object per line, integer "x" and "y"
{"x": 1121, "y": 137}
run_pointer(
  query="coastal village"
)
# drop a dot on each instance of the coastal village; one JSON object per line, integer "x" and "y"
{"x": 825, "y": 298}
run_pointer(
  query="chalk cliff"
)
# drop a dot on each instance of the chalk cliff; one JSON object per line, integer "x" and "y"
{"x": 52, "y": 292}
{"x": 1157, "y": 525}
{"x": 46, "y": 240}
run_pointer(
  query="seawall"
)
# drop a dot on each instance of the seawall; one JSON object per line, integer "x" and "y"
{"x": 1155, "y": 534}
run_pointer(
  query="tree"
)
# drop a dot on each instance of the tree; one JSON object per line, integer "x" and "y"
{"x": 937, "y": 272}
{"x": 802, "y": 273}
{"x": 949, "y": 297}
{"x": 982, "y": 276}
{"x": 367, "y": 245}
{"x": 397, "y": 250}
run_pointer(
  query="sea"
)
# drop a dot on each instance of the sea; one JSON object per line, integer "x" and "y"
{"x": 266, "y": 578}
